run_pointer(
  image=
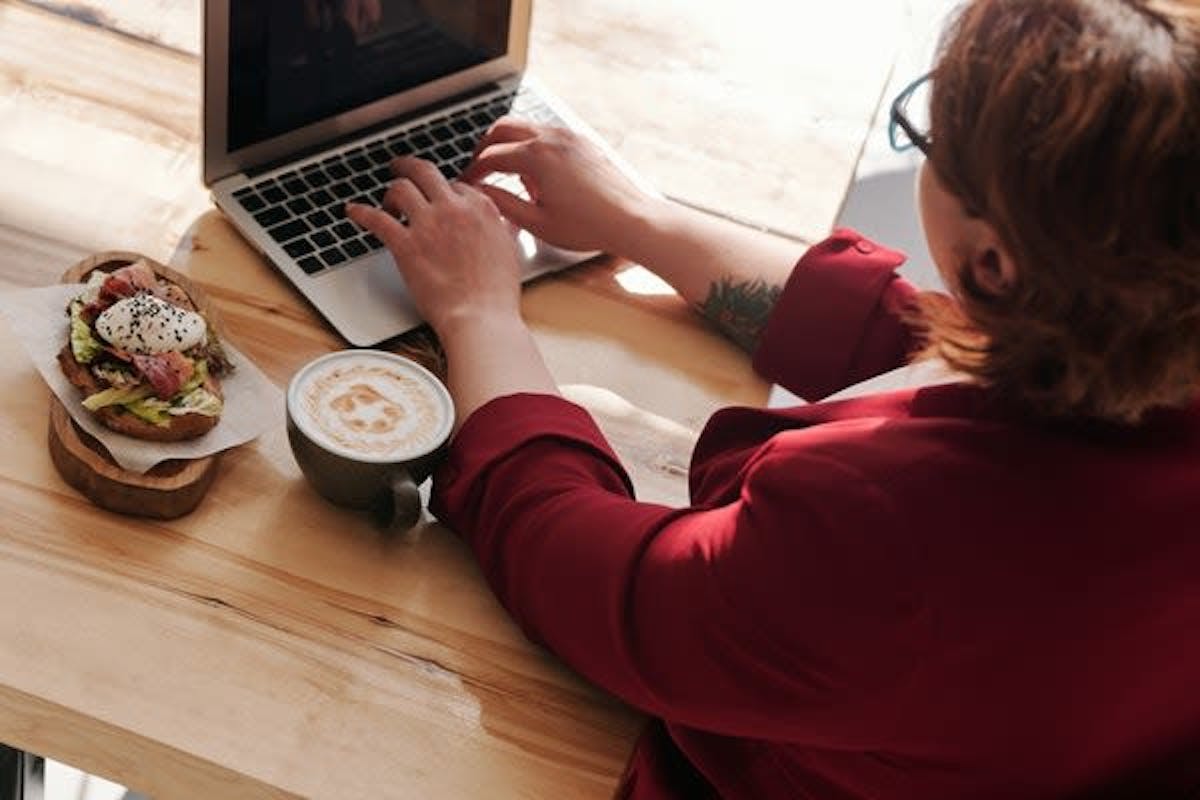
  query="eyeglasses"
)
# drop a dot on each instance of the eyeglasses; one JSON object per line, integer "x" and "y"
{"x": 902, "y": 132}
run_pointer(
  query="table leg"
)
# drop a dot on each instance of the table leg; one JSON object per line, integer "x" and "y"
{"x": 22, "y": 775}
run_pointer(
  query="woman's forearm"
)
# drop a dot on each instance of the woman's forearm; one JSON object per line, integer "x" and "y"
{"x": 730, "y": 273}
{"x": 490, "y": 358}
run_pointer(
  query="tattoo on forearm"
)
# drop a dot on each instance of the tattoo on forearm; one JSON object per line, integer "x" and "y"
{"x": 740, "y": 309}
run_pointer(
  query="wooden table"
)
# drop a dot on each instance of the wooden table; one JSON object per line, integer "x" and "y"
{"x": 269, "y": 644}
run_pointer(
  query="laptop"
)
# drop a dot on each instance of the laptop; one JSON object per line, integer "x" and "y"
{"x": 307, "y": 101}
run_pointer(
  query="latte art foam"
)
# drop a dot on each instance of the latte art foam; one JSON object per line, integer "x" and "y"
{"x": 370, "y": 407}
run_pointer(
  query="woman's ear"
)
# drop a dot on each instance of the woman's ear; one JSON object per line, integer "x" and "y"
{"x": 965, "y": 248}
{"x": 992, "y": 268}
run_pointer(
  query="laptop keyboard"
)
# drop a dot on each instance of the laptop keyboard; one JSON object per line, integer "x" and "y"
{"x": 303, "y": 208}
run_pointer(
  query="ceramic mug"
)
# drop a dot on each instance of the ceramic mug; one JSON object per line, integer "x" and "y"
{"x": 366, "y": 428}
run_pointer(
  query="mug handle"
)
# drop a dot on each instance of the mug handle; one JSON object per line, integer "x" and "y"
{"x": 406, "y": 500}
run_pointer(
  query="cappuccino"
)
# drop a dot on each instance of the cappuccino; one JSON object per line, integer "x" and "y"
{"x": 370, "y": 406}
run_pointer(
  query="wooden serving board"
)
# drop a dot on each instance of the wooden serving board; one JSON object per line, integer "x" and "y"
{"x": 170, "y": 488}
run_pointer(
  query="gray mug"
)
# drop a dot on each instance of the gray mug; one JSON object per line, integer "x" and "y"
{"x": 366, "y": 428}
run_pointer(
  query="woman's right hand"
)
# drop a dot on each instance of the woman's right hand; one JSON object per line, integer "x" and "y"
{"x": 578, "y": 199}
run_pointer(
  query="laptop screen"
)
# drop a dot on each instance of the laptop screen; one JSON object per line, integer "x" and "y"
{"x": 294, "y": 62}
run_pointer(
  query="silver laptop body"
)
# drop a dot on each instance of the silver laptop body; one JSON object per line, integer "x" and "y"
{"x": 307, "y": 101}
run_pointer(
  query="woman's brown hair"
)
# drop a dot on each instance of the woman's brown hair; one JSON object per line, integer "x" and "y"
{"x": 1073, "y": 128}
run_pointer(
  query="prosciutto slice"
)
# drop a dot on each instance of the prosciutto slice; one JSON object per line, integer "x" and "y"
{"x": 128, "y": 281}
{"x": 165, "y": 372}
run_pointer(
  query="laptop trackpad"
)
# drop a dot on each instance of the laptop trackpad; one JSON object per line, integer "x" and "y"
{"x": 367, "y": 301}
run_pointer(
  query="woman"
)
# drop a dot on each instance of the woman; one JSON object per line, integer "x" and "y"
{"x": 984, "y": 588}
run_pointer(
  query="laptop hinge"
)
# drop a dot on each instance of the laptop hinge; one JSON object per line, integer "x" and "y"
{"x": 392, "y": 122}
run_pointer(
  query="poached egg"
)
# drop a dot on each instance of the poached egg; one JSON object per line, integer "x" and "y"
{"x": 146, "y": 325}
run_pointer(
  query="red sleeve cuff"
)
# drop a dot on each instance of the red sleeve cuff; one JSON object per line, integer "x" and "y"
{"x": 501, "y": 427}
{"x": 832, "y": 325}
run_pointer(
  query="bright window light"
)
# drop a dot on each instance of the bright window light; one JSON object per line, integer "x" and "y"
{"x": 639, "y": 280}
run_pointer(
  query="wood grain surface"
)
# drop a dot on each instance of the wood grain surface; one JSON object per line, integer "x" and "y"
{"x": 270, "y": 644}
{"x": 98, "y": 144}
{"x": 269, "y": 637}
{"x": 755, "y": 110}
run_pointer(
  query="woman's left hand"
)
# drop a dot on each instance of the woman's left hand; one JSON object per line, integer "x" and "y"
{"x": 452, "y": 247}
{"x": 460, "y": 262}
